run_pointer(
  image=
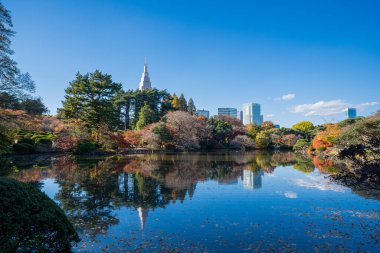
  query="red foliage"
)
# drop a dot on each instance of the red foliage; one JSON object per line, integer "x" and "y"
{"x": 119, "y": 139}
{"x": 232, "y": 120}
{"x": 322, "y": 165}
{"x": 132, "y": 138}
{"x": 266, "y": 125}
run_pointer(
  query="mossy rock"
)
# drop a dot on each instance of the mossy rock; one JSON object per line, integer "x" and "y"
{"x": 30, "y": 221}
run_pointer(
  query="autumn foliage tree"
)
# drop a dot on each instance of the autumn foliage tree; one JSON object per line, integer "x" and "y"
{"x": 327, "y": 137}
{"x": 266, "y": 125}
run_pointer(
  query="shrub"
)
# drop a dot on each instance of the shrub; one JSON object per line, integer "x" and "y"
{"x": 301, "y": 144}
{"x": 30, "y": 220}
{"x": 26, "y": 140}
{"x": 86, "y": 147}
{"x": 44, "y": 141}
{"x": 263, "y": 139}
{"x": 243, "y": 142}
{"x": 24, "y": 148}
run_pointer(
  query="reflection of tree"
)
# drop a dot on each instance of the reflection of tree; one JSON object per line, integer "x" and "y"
{"x": 86, "y": 195}
{"x": 303, "y": 164}
{"x": 91, "y": 189}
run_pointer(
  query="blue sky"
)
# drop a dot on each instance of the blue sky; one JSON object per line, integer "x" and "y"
{"x": 298, "y": 59}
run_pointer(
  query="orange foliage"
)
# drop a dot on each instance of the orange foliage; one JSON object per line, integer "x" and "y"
{"x": 266, "y": 125}
{"x": 322, "y": 165}
{"x": 132, "y": 138}
{"x": 326, "y": 138}
{"x": 119, "y": 139}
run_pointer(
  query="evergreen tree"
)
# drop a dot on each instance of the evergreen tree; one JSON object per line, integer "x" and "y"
{"x": 11, "y": 80}
{"x": 92, "y": 98}
{"x": 33, "y": 106}
{"x": 175, "y": 102}
{"x": 166, "y": 103}
{"x": 146, "y": 117}
{"x": 191, "y": 107}
{"x": 182, "y": 103}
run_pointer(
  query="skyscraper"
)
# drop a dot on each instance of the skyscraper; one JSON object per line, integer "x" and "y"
{"x": 204, "y": 113}
{"x": 240, "y": 115}
{"x": 145, "y": 80}
{"x": 228, "y": 112}
{"x": 252, "y": 114}
{"x": 351, "y": 113}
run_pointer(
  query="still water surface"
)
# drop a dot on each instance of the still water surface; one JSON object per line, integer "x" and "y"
{"x": 213, "y": 202}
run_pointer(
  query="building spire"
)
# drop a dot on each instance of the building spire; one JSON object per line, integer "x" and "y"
{"x": 145, "y": 80}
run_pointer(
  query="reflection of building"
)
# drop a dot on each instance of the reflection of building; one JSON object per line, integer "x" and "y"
{"x": 351, "y": 113}
{"x": 203, "y": 113}
{"x": 143, "y": 215}
{"x": 125, "y": 182}
{"x": 228, "y": 112}
{"x": 252, "y": 180}
{"x": 252, "y": 114}
{"x": 145, "y": 83}
{"x": 228, "y": 181}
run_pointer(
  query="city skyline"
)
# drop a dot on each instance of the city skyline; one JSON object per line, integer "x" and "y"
{"x": 280, "y": 55}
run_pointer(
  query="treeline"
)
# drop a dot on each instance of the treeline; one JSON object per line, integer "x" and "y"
{"x": 99, "y": 102}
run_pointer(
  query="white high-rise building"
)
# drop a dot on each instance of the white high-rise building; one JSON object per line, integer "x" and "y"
{"x": 252, "y": 114}
{"x": 145, "y": 80}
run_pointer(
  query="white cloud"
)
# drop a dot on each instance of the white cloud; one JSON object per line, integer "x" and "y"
{"x": 366, "y": 104}
{"x": 288, "y": 97}
{"x": 322, "y": 108}
{"x": 291, "y": 195}
{"x": 318, "y": 182}
{"x": 269, "y": 116}
{"x": 325, "y": 108}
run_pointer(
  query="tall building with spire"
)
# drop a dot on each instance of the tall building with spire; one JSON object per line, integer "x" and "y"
{"x": 145, "y": 83}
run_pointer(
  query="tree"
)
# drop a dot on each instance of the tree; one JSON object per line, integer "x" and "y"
{"x": 182, "y": 103}
{"x": 187, "y": 130}
{"x": 175, "y": 102}
{"x": 222, "y": 130}
{"x": 263, "y": 139}
{"x": 132, "y": 138}
{"x": 304, "y": 126}
{"x": 164, "y": 133}
{"x": 361, "y": 143}
{"x": 33, "y": 106}
{"x": 146, "y": 117}
{"x": 166, "y": 103}
{"x": 253, "y": 130}
{"x": 92, "y": 99}
{"x": 191, "y": 107}
{"x": 266, "y": 125}
{"x": 326, "y": 138}
{"x": 301, "y": 145}
{"x": 11, "y": 80}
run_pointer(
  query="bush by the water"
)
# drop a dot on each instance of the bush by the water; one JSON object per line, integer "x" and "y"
{"x": 24, "y": 148}
{"x": 30, "y": 221}
{"x": 86, "y": 147}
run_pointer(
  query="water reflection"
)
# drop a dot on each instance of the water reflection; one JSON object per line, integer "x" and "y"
{"x": 92, "y": 191}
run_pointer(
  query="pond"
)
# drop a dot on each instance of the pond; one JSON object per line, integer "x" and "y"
{"x": 205, "y": 202}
